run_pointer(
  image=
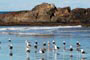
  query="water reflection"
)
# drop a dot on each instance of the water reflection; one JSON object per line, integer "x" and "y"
{"x": 71, "y": 58}
{"x": 11, "y": 55}
{"x": 83, "y": 59}
{"x": 42, "y": 59}
{"x": 27, "y": 57}
{"x": 63, "y": 54}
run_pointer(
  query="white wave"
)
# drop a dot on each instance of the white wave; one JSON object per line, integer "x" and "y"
{"x": 38, "y": 28}
{"x": 29, "y": 34}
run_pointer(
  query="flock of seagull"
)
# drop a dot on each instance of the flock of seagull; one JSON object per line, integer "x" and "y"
{"x": 44, "y": 49}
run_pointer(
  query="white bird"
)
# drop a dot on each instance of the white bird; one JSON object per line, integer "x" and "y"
{"x": 64, "y": 42}
{"x": 27, "y": 43}
{"x": 44, "y": 44}
{"x": 83, "y": 54}
{"x": 82, "y": 51}
{"x": 71, "y": 49}
{"x": 9, "y": 40}
{"x": 78, "y": 43}
{"x": 28, "y": 49}
{"x": 53, "y": 42}
{"x": 10, "y": 46}
{"x": 55, "y": 47}
{"x": 41, "y": 51}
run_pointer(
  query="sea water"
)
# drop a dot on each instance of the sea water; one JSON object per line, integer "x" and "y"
{"x": 18, "y": 35}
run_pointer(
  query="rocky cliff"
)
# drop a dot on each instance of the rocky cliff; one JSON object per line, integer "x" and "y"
{"x": 47, "y": 14}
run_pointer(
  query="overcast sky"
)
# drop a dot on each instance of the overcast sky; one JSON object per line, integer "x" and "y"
{"x": 13, "y": 5}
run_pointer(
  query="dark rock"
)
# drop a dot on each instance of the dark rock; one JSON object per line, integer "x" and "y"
{"x": 47, "y": 14}
{"x": 61, "y": 15}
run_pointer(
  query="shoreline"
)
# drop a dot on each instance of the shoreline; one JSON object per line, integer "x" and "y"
{"x": 45, "y": 24}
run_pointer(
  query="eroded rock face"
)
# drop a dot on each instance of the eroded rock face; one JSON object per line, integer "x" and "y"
{"x": 61, "y": 15}
{"x": 44, "y": 12}
{"x": 47, "y": 13}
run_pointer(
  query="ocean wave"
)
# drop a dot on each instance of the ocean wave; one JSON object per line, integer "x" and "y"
{"x": 26, "y": 34}
{"x": 38, "y": 28}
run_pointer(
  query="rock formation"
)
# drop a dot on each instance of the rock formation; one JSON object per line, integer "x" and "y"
{"x": 47, "y": 14}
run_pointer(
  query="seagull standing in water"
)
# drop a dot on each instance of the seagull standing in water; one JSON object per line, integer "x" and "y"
{"x": 71, "y": 49}
{"x": 55, "y": 46}
{"x": 78, "y": 46}
{"x": 48, "y": 45}
{"x": 44, "y": 46}
{"x": 83, "y": 53}
{"x": 64, "y": 43}
{"x": 43, "y": 50}
{"x": 9, "y": 40}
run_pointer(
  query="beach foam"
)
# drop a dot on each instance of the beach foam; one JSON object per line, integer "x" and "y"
{"x": 38, "y": 28}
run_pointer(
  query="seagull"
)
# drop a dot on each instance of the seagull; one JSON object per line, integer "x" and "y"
{"x": 28, "y": 49}
{"x": 10, "y": 46}
{"x": 35, "y": 46}
{"x": 28, "y": 43}
{"x": 78, "y": 43}
{"x": 53, "y": 42}
{"x": 42, "y": 51}
{"x": 71, "y": 49}
{"x": 9, "y": 40}
{"x": 54, "y": 45}
{"x": 82, "y": 51}
{"x": 44, "y": 44}
{"x": 36, "y": 42}
{"x": 64, "y": 43}
{"x": 78, "y": 46}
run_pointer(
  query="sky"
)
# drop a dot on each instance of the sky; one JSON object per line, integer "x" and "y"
{"x": 17, "y": 5}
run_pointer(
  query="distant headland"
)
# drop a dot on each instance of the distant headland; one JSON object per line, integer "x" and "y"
{"x": 47, "y": 14}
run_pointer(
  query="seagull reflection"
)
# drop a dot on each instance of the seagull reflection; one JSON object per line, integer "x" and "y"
{"x": 71, "y": 58}
{"x": 83, "y": 59}
{"x": 63, "y": 54}
{"x": 42, "y": 59}
{"x": 28, "y": 58}
{"x": 0, "y": 44}
{"x": 11, "y": 55}
{"x": 55, "y": 56}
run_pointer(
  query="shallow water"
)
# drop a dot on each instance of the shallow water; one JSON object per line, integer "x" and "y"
{"x": 43, "y": 34}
